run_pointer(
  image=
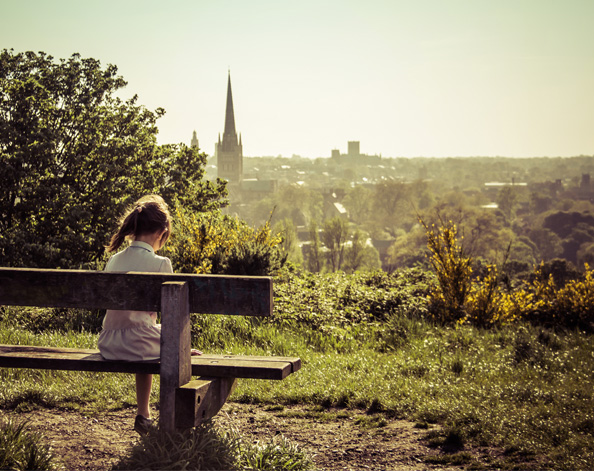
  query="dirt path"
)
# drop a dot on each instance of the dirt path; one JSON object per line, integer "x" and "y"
{"x": 343, "y": 441}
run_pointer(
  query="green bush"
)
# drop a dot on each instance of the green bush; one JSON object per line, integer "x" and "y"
{"x": 21, "y": 449}
{"x": 218, "y": 244}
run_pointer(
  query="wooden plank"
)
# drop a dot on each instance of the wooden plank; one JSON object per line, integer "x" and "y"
{"x": 201, "y": 399}
{"x": 209, "y": 294}
{"x": 176, "y": 368}
{"x": 78, "y": 359}
{"x": 70, "y": 359}
{"x": 237, "y": 359}
{"x": 243, "y": 368}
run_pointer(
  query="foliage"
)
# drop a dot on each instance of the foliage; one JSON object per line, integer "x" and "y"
{"x": 73, "y": 155}
{"x": 522, "y": 387}
{"x": 218, "y": 244}
{"x": 200, "y": 448}
{"x": 51, "y": 320}
{"x": 274, "y": 455}
{"x": 569, "y": 305}
{"x": 360, "y": 255}
{"x": 22, "y": 449}
{"x": 554, "y": 296}
{"x": 314, "y": 258}
{"x": 337, "y": 300}
{"x": 290, "y": 244}
{"x": 452, "y": 267}
{"x": 207, "y": 447}
{"x": 335, "y": 233}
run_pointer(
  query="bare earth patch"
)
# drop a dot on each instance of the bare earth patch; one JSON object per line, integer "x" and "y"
{"x": 346, "y": 440}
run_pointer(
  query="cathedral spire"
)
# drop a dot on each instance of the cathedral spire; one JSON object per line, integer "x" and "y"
{"x": 228, "y": 150}
{"x": 229, "y": 115}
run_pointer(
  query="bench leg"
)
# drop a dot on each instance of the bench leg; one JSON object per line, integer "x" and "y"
{"x": 176, "y": 362}
{"x": 200, "y": 400}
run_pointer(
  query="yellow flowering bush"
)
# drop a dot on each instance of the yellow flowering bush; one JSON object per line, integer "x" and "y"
{"x": 454, "y": 273}
{"x": 570, "y": 305}
{"x": 461, "y": 297}
{"x": 216, "y": 243}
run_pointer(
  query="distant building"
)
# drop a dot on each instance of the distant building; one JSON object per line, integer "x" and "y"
{"x": 229, "y": 150}
{"x": 354, "y": 149}
{"x": 253, "y": 189}
{"x": 194, "y": 142}
{"x": 354, "y": 155}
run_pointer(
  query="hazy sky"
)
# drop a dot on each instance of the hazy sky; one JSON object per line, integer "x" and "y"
{"x": 403, "y": 77}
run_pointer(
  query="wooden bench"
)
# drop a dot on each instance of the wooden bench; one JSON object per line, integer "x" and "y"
{"x": 184, "y": 402}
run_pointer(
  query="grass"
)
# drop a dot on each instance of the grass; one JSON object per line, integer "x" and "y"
{"x": 22, "y": 449}
{"x": 208, "y": 448}
{"x": 524, "y": 389}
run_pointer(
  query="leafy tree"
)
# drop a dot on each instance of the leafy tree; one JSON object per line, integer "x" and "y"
{"x": 358, "y": 201}
{"x": 355, "y": 252}
{"x": 73, "y": 155}
{"x": 334, "y": 235}
{"x": 290, "y": 244}
{"x": 314, "y": 255}
{"x": 507, "y": 200}
{"x": 359, "y": 255}
{"x": 391, "y": 201}
{"x": 562, "y": 223}
{"x": 547, "y": 242}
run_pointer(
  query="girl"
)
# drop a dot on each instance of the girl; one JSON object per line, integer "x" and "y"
{"x": 135, "y": 335}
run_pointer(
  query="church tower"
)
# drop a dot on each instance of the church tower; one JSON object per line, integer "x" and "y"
{"x": 229, "y": 150}
{"x": 194, "y": 142}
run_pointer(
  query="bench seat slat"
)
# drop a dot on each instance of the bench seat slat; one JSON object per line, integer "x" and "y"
{"x": 58, "y": 358}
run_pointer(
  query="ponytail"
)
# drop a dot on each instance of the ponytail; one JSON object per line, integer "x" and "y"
{"x": 148, "y": 215}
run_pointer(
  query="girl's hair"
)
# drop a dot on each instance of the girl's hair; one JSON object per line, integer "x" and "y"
{"x": 149, "y": 214}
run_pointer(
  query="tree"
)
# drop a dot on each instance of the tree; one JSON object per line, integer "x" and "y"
{"x": 507, "y": 200}
{"x": 547, "y": 242}
{"x": 358, "y": 201}
{"x": 391, "y": 203}
{"x": 290, "y": 243}
{"x": 314, "y": 255}
{"x": 359, "y": 255}
{"x": 73, "y": 155}
{"x": 334, "y": 235}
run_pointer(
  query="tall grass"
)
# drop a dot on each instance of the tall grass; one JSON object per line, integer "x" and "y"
{"x": 22, "y": 449}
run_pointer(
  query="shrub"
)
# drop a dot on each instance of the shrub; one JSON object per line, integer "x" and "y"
{"x": 452, "y": 267}
{"x": 203, "y": 448}
{"x": 21, "y": 449}
{"x": 218, "y": 244}
{"x": 207, "y": 448}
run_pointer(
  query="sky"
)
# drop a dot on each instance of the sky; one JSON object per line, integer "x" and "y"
{"x": 405, "y": 78}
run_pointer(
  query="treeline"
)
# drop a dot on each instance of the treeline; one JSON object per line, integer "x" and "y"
{"x": 521, "y": 223}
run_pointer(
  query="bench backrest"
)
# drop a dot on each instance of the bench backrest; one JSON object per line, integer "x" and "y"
{"x": 208, "y": 294}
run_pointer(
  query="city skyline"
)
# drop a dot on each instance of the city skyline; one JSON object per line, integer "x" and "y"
{"x": 404, "y": 78}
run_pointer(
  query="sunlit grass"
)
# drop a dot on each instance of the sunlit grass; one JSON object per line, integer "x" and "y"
{"x": 524, "y": 389}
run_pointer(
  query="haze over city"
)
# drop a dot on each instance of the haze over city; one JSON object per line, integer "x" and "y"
{"x": 405, "y": 78}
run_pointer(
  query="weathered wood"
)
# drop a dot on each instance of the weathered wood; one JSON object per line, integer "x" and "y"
{"x": 200, "y": 400}
{"x": 80, "y": 359}
{"x": 245, "y": 366}
{"x": 176, "y": 366}
{"x": 183, "y": 403}
{"x": 209, "y": 294}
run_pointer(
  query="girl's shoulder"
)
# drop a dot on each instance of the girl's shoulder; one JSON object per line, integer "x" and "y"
{"x": 138, "y": 258}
